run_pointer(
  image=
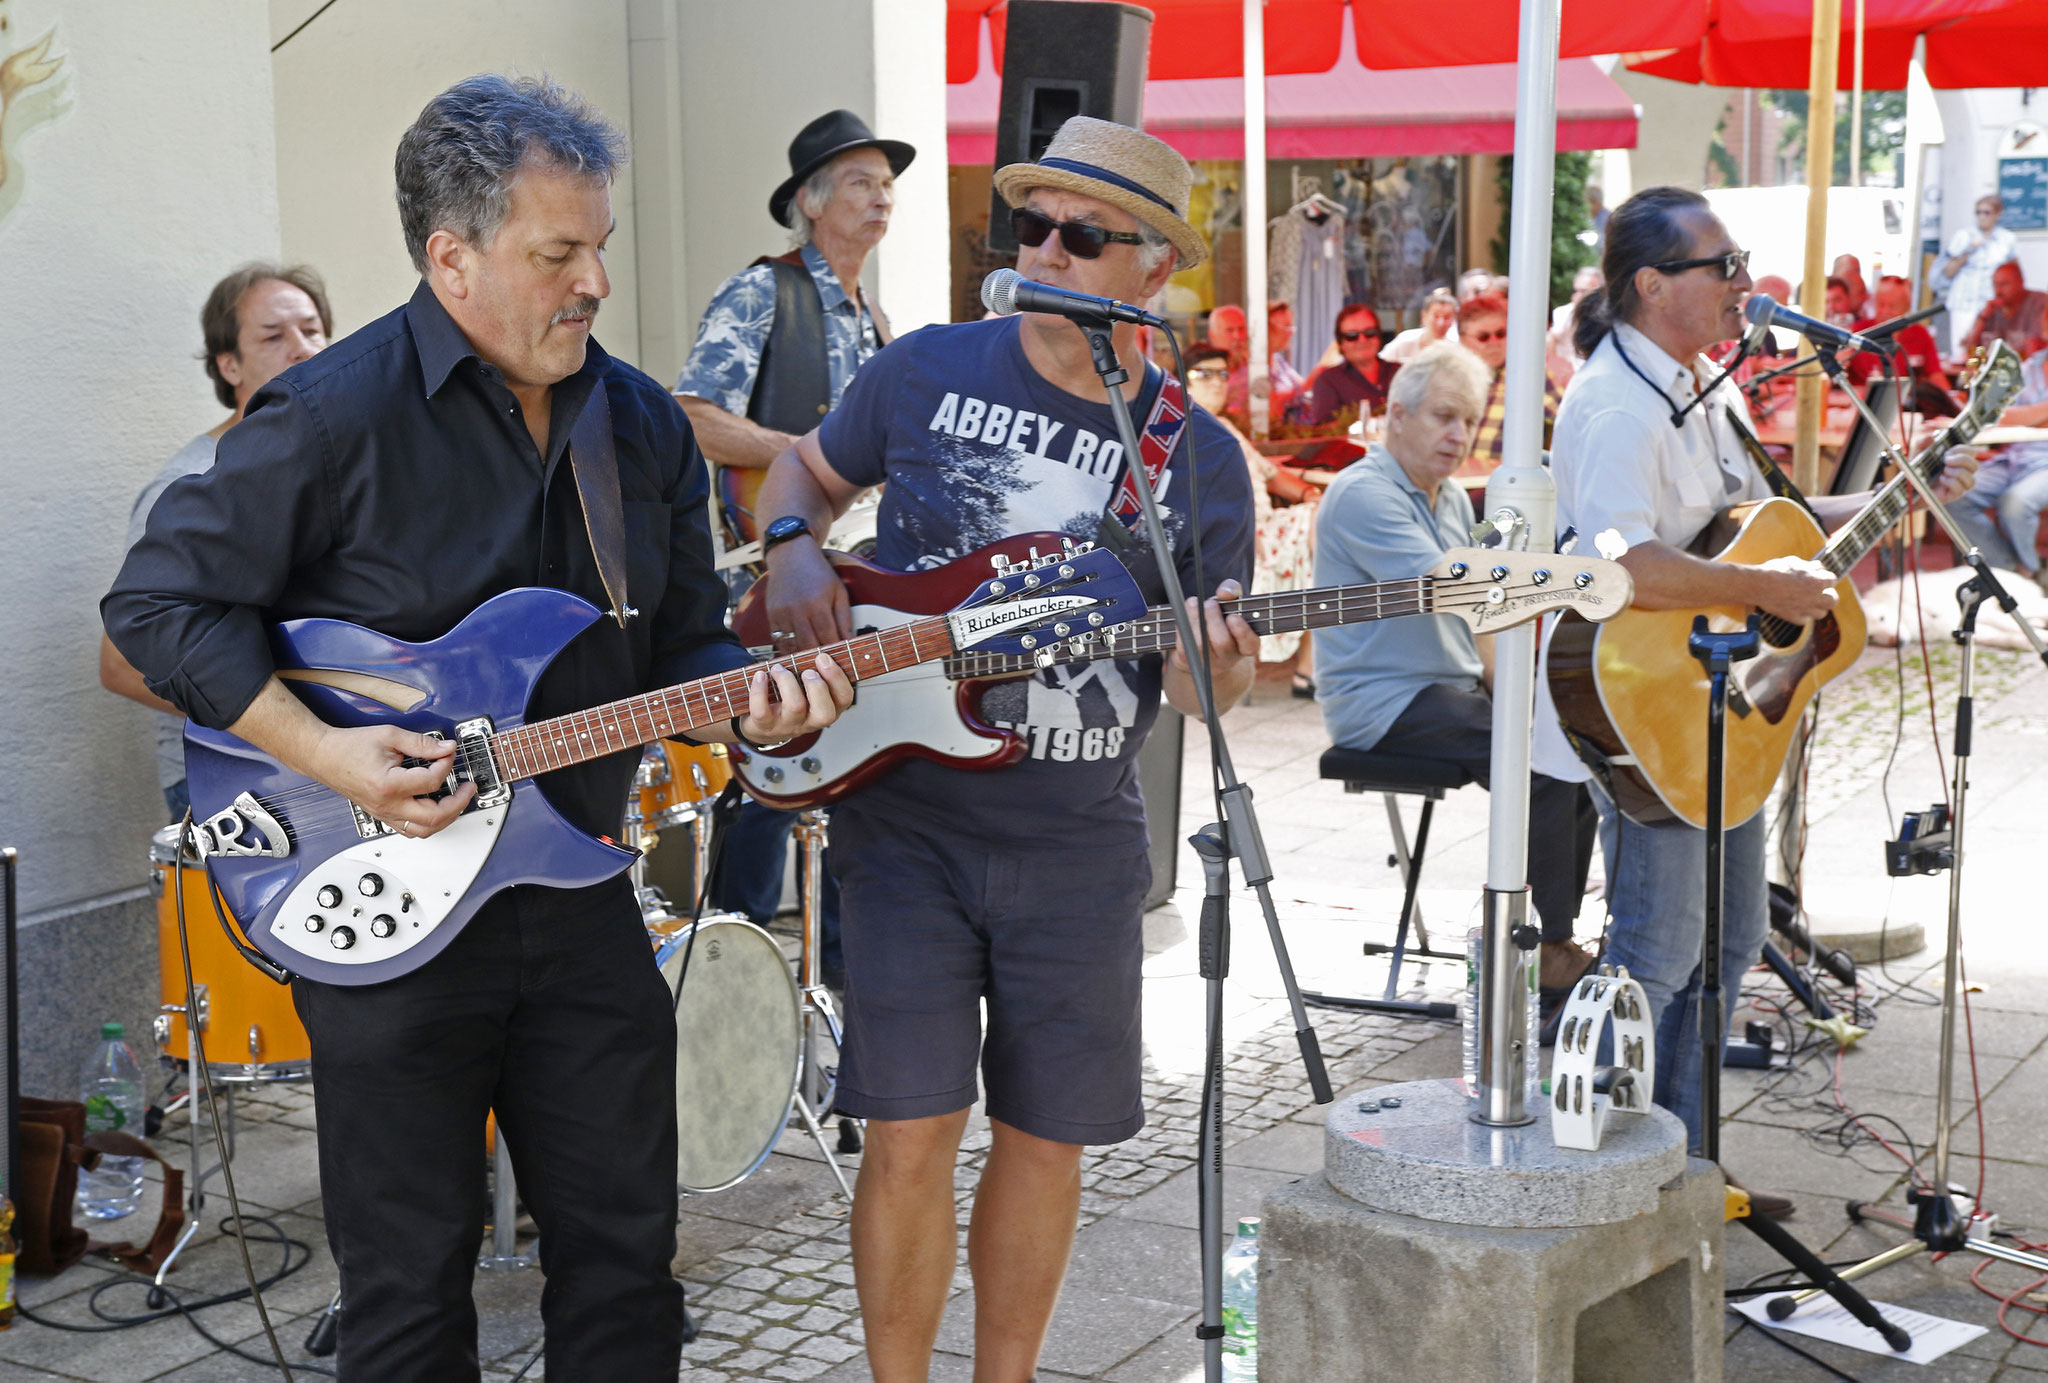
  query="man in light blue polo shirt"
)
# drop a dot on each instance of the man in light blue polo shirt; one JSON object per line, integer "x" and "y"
{"x": 1419, "y": 685}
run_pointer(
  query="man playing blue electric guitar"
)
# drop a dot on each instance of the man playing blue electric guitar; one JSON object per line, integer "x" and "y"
{"x": 415, "y": 471}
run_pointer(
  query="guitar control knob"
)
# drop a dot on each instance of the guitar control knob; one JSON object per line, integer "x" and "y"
{"x": 330, "y": 896}
{"x": 343, "y": 938}
{"x": 809, "y": 763}
{"x": 316, "y": 923}
{"x": 371, "y": 885}
{"x": 383, "y": 924}
{"x": 773, "y": 775}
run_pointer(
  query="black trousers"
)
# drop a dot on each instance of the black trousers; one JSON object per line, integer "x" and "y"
{"x": 549, "y": 1010}
{"x": 1456, "y": 723}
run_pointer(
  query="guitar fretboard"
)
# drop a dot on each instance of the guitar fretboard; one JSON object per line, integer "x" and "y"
{"x": 1280, "y": 612}
{"x": 584, "y": 735}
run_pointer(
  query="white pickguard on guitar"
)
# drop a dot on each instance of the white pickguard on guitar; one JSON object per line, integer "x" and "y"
{"x": 913, "y": 706}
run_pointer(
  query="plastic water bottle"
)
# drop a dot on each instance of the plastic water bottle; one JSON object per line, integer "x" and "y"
{"x": 1241, "y": 1305}
{"x": 1475, "y": 946}
{"x": 112, "y": 1091}
{"x": 1468, "y": 1008}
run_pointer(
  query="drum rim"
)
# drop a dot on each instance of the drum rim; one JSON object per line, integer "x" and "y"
{"x": 796, "y": 1071}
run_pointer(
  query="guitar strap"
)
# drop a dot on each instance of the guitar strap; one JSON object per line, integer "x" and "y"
{"x": 594, "y": 457}
{"x": 1160, "y": 435}
{"x": 1774, "y": 475}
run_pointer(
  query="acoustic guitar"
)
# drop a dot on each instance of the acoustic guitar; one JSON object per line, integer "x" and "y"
{"x": 1631, "y": 691}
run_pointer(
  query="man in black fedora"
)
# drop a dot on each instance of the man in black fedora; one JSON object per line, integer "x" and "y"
{"x": 774, "y": 352}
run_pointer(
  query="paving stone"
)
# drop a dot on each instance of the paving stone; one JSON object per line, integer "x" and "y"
{"x": 779, "y": 1338}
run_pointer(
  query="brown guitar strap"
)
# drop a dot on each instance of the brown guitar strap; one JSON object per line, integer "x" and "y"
{"x": 594, "y": 457}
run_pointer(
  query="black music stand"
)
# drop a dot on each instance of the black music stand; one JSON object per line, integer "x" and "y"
{"x": 1718, "y": 653}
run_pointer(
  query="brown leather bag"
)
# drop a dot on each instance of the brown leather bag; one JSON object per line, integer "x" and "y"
{"x": 54, "y": 1145}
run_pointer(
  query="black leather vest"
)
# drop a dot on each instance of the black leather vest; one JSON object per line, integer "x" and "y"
{"x": 793, "y": 386}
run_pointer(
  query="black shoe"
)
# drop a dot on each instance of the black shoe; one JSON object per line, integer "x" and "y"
{"x": 1304, "y": 688}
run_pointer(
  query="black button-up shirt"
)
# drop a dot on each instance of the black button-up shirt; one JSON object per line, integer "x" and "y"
{"x": 391, "y": 481}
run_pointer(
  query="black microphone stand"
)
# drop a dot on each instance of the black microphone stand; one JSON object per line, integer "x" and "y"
{"x": 1937, "y": 1227}
{"x": 1237, "y": 836}
{"x": 1718, "y": 652}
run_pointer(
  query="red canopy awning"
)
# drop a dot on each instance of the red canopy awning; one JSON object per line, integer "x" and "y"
{"x": 1768, "y": 43}
{"x": 1346, "y": 112}
{"x": 1205, "y": 38}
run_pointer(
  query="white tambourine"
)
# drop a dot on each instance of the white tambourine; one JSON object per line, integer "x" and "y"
{"x": 1583, "y": 1092}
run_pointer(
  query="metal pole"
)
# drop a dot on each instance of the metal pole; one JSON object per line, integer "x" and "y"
{"x": 1254, "y": 200}
{"x": 1522, "y": 490}
{"x": 1856, "y": 104}
{"x": 1820, "y": 163}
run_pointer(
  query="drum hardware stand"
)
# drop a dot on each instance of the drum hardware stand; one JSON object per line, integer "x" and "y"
{"x": 504, "y": 1255}
{"x": 1718, "y": 652}
{"x": 1217, "y": 843}
{"x": 1937, "y": 1225}
{"x": 819, "y": 1084}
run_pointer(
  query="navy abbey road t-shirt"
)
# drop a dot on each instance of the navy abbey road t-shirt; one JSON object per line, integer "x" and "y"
{"x": 976, "y": 446}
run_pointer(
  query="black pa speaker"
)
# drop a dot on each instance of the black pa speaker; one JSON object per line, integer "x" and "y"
{"x": 1159, "y": 783}
{"x": 1064, "y": 58}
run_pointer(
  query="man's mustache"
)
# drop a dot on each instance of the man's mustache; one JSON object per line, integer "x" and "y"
{"x": 582, "y": 307}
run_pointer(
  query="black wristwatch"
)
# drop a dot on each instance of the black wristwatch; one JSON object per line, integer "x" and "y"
{"x": 782, "y": 530}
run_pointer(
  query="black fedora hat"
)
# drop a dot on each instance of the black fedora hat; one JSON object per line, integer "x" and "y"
{"x": 825, "y": 139}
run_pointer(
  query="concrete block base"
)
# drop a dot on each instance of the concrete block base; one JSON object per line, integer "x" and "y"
{"x": 1349, "y": 1292}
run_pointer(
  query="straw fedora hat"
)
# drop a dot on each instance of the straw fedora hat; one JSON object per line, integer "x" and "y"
{"x": 1124, "y": 167}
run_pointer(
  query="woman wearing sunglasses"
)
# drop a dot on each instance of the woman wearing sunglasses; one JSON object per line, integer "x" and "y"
{"x": 1358, "y": 381}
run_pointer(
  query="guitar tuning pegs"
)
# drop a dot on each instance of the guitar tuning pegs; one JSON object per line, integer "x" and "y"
{"x": 1044, "y": 656}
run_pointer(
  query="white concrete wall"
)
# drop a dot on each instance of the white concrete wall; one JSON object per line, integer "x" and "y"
{"x": 159, "y": 179}
{"x": 350, "y": 83}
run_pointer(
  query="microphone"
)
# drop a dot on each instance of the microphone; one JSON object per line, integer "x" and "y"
{"x": 1763, "y": 312}
{"x": 1006, "y": 291}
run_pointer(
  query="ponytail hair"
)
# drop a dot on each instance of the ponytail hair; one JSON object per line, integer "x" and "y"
{"x": 1646, "y": 229}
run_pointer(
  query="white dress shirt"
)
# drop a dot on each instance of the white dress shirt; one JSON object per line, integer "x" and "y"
{"x": 1620, "y": 464}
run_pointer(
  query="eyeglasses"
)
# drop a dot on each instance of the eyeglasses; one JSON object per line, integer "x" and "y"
{"x": 1730, "y": 264}
{"x": 1365, "y": 334}
{"x": 1482, "y": 337}
{"x": 1079, "y": 238}
{"x": 1209, "y": 372}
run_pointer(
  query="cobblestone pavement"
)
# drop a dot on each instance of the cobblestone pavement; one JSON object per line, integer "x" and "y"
{"x": 767, "y": 1264}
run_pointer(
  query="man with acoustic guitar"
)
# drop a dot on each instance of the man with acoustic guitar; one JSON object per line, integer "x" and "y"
{"x": 1628, "y": 455}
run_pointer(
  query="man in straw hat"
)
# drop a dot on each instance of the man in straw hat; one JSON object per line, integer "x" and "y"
{"x": 1024, "y": 887}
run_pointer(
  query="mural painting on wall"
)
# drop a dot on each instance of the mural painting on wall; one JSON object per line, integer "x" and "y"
{"x": 35, "y": 89}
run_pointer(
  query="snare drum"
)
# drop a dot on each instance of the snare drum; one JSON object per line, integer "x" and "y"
{"x": 679, "y": 782}
{"x": 739, "y": 1039}
{"x": 252, "y": 1032}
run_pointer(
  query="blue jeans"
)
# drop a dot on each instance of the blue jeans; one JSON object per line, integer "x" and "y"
{"x": 2003, "y": 518}
{"x": 1656, "y": 900}
{"x": 178, "y": 797}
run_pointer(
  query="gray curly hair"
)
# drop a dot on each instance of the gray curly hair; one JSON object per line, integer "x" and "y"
{"x": 457, "y": 163}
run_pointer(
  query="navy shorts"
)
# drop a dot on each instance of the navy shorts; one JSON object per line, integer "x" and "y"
{"x": 1053, "y": 941}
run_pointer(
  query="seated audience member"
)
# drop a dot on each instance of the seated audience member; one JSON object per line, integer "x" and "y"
{"x": 2014, "y": 314}
{"x": 1420, "y": 686}
{"x": 1849, "y": 269}
{"x": 257, "y": 323}
{"x": 2002, "y": 514}
{"x": 1439, "y": 323}
{"x": 1561, "y": 357}
{"x": 1359, "y": 380}
{"x": 1483, "y": 327}
{"x": 1289, "y": 397}
{"x": 1915, "y": 357}
{"x": 1841, "y": 313}
{"x": 1285, "y": 501}
{"x": 1229, "y": 329}
{"x": 1473, "y": 282}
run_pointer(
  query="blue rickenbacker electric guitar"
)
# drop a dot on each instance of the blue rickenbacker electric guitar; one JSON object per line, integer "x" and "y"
{"x": 326, "y": 891}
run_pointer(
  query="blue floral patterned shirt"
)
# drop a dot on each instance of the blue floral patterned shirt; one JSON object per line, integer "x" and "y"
{"x": 727, "y": 355}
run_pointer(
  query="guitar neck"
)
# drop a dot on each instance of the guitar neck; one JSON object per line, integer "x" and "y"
{"x": 1855, "y": 538}
{"x": 558, "y": 742}
{"x": 1280, "y": 612}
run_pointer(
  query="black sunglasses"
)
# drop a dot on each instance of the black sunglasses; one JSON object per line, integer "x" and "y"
{"x": 1359, "y": 335}
{"x": 1731, "y": 264}
{"x": 1079, "y": 238}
